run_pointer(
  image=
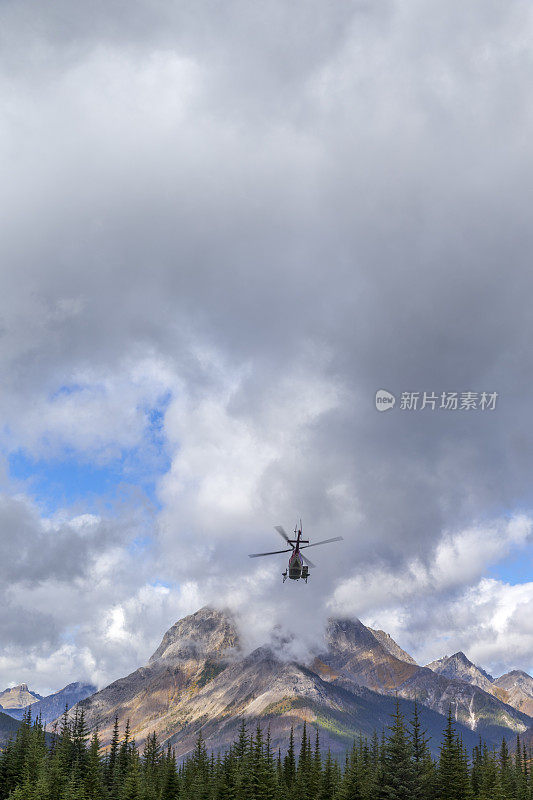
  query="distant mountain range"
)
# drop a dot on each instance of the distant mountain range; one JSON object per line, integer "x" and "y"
{"x": 19, "y": 698}
{"x": 200, "y": 678}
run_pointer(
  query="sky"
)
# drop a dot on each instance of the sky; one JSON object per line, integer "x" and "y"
{"x": 225, "y": 227}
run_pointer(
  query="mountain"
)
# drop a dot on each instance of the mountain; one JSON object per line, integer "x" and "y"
{"x": 458, "y": 666}
{"x": 281, "y": 695}
{"x": 53, "y": 705}
{"x": 200, "y": 678}
{"x": 390, "y": 645}
{"x": 154, "y": 697}
{"x": 516, "y": 688}
{"x": 18, "y": 697}
{"x": 356, "y": 658}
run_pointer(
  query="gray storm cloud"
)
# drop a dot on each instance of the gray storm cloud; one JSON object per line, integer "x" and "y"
{"x": 268, "y": 213}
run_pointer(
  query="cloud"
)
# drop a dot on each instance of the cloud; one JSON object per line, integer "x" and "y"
{"x": 447, "y": 604}
{"x": 250, "y": 218}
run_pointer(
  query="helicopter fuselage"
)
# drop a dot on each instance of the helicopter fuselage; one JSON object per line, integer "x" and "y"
{"x": 296, "y": 568}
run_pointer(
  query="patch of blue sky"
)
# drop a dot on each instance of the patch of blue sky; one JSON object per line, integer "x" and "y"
{"x": 71, "y": 479}
{"x": 67, "y": 389}
{"x": 516, "y": 568}
{"x": 140, "y": 545}
{"x": 163, "y": 584}
{"x": 70, "y": 633}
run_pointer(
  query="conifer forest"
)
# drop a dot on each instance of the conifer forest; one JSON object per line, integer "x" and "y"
{"x": 70, "y": 764}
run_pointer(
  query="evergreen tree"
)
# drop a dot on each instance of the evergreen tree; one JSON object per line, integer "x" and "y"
{"x": 131, "y": 786}
{"x": 94, "y": 779}
{"x": 449, "y": 763}
{"x": 315, "y": 770}
{"x": 301, "y": 787}
{"x": 257, "y": 767}
{"x": 423, "y": 763}
{"x": 489, "y": 774}
{"x": 200, "y": 768}
{"x": 289, "y": 763}
{"x": 520, "y": 777}
{"x": 507, "y": 773}
{"x": 241, "y": 764}
{"x": 80, "y": 755}
{"x": 126, "y": 752}
{"x": 329, "y": 779}
{"x": 270, "y": 789}
{"x": 464, "y": 789}
{"x": 399, "y": 779}
{"x": 150, "y": 767}
{"x": 112, "y": 759}
{"x": 74, "y": 789}
{"x": 350, "y": 786}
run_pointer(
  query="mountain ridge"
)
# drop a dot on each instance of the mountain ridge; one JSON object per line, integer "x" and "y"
{"x": 460, "y": 667}
{"x": 200, "y": 678}
{"x": 51, "y": 706}
{"x": 18, "y": 697}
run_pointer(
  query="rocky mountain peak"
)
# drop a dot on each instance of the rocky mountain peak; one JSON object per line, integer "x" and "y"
{"x": 516, "y": 674}
{"x": 459, "y": 666}
{"x": 391, "y": 646}
{"x": 516, "y": 688}
{"x": 515, "y": 678}
{"x": 206, "y": 633}
{"x": 461, "y": 658}
{"x": 349, "y": 636}
{"x": 18, "y": 697}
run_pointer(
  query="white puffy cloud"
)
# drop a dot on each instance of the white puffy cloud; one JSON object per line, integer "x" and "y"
{"x": 447, "y": 604}
{"x": 94, "y": 415}
{"x": 458, "y": 560}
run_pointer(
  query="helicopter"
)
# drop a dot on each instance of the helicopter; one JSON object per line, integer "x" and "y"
{"x": 298, "y": 564}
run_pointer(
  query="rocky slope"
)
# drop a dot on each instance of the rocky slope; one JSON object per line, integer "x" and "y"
{"x": 198, "y": 678}
{"x": 18, "y": 697}
{"x": 461, "y": 668}
{"x": 516, "y": 688}
{"x": 356, "y": 657}
{"x": 155, "y": 697}
{"x": 389, "y": 644}
{"x": 50, "y": 707}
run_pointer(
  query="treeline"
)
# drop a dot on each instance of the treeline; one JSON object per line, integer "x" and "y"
{"x": 69, "y": 765}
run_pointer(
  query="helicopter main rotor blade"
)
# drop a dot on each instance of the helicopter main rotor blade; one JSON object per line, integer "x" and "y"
{"x": 324, "y": 541}
{"x": 282, "y": 533}
{"x": 272, "y": 553}
{"x": 307, "y": 561}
